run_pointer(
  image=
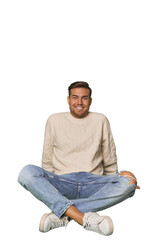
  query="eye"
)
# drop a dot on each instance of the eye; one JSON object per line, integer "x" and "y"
{"x": 75, "y": 97}
{"x": 85, "y": 98}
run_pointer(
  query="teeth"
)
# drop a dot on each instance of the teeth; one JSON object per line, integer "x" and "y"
{"x": 79, "y": 108}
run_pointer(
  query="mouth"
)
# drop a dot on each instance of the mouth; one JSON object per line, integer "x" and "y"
{"x": 79, "y": 108}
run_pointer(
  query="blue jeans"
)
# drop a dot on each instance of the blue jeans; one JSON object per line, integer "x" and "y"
{"x": 86, "y": 191}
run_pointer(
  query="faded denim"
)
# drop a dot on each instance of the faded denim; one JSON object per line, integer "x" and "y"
{"x": 86, "y": 191}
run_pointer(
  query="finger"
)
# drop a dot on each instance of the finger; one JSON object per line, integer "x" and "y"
{"x": 132, "y": 181}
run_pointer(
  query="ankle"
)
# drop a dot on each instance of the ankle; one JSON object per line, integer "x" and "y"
{"x": 73, "y": 213}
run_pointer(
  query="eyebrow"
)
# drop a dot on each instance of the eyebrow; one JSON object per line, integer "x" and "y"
{"x": 78, "y": 96}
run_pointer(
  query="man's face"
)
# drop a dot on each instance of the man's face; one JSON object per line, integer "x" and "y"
{"x": 79, "y": 102}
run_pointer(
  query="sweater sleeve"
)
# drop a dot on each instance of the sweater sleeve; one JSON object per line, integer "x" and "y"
{"x": 47, "y": 154}
{"x": 108, "y": 150}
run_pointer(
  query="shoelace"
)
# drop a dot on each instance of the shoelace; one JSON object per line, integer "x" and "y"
{"x": 59, "y": 222}
{"x": 93, "y": 224}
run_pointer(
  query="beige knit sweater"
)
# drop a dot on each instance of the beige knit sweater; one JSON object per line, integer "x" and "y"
{"x": 75, "y": 145}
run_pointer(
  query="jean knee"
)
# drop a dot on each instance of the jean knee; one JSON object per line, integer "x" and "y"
{"x": 27, "y": 173}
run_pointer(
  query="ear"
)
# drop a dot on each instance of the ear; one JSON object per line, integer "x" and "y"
{"x": 90, "y": 101}
{"x": 68, "y": 99}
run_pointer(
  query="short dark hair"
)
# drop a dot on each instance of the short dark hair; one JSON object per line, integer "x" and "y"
{"x": 79, "y": 85}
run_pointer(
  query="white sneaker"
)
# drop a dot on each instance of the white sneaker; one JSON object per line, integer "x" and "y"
{"x": 50, "y": 221}
{"x": 100, "y": 224}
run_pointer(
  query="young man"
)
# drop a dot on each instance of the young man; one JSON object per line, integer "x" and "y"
{"x": 79, "y": 173}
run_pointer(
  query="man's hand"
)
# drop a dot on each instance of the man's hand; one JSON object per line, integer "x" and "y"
{"x": 130, "y": 176}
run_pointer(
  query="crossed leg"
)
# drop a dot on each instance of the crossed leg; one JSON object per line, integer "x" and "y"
{"x": 76, "y": 215}
{"x": 39, "y": 183}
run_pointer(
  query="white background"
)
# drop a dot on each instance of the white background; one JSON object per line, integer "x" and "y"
{"x": 45, "y": 46}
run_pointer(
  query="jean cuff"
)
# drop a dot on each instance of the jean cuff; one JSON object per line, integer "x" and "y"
{"x": 64, "y": 210}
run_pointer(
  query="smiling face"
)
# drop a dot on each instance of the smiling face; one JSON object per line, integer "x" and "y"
{"x": 79, "y": 102}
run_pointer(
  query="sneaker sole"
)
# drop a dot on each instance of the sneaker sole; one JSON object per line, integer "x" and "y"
{"x": 41, "y": 225}
{"x": 111, "y": 226}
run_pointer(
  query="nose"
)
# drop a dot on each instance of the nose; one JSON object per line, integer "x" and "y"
{"x": 79, "y": 101}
